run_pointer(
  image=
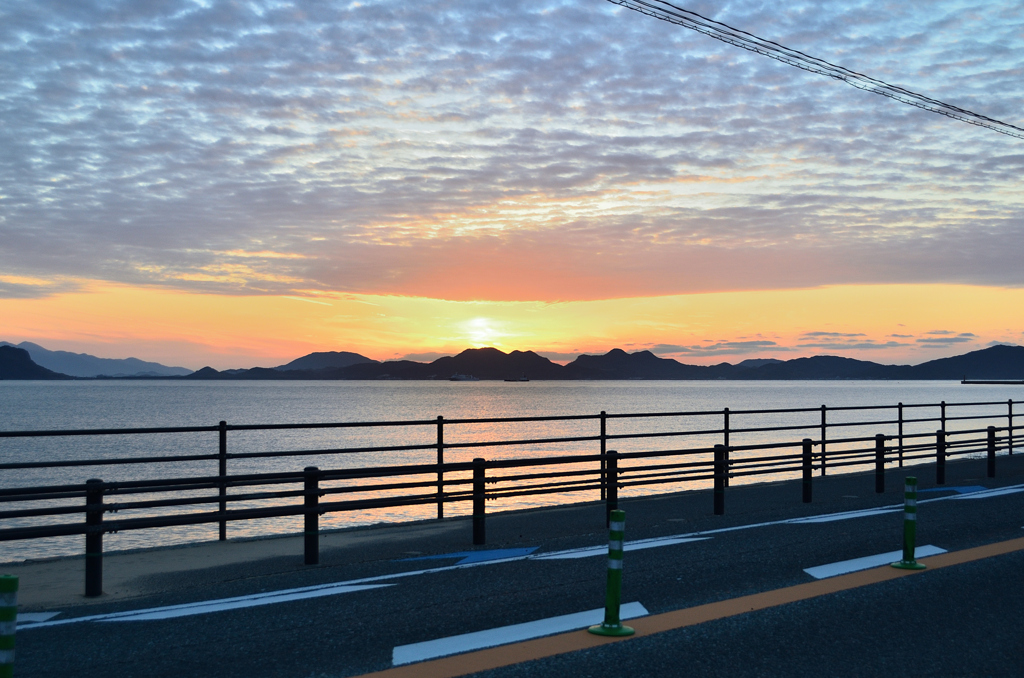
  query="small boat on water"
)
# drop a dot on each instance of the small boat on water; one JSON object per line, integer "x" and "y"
{"x": 522, "y": 378}
{"x": 463, "y": 377}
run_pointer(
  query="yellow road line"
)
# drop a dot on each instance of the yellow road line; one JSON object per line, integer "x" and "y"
{"x": 516, "y": 653}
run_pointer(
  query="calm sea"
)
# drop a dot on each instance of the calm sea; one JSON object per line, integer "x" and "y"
{"x": 122, "y": 404}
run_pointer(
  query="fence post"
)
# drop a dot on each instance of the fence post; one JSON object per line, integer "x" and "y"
{"x": 223, "y": 472}
{"x": 991, "y": 469}
{"x": 942, "y": 410}
{"x": 725, "y": 442}
{"x": 824, "y": 436}
{"x": 312, "y": 521}
{"x": 604, "y": 445}
{"x": 479, "y": 526}
{"x": 1009, "y": 424}
{"x": 808, "y": 469}
{"x": 8, "y": 622}
{"x": 940, "y": 457}
{"x": 900, "y": 406}
{"x": 93, "y": 538}
{"x": 612, "y": 625}
{"x": 612, "y": 475}
{"x": 440, "y": 464}
{"x": 720, "y": 471}
{"x": 879, "y": 463}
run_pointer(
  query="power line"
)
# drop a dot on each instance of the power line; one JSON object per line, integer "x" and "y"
{"x": 659, "y": 9}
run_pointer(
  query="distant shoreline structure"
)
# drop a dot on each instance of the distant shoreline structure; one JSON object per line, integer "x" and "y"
{"x": 999, "y": 382}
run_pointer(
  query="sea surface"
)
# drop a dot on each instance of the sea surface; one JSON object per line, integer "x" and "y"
{"x": 46, "y": 405}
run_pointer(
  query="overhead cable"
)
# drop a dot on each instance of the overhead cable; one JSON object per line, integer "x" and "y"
{"x": 659, "y": 9}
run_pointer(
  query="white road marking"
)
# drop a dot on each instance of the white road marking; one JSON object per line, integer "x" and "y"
{"x": 639, "y": 545}
{"x": 442, "y": 647}
{"x": 868, "y": 562}
{"x": 997, "y": 492}
{"x": 207, "y": 606}
{"x": 31, "y": 617}
{"x": 846, "y": 515}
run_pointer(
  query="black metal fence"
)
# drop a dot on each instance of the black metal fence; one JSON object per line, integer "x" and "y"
{"x": 736, "y": 447}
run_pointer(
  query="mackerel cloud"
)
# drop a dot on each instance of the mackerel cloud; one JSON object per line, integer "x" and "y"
{"x": 515, "y": 150}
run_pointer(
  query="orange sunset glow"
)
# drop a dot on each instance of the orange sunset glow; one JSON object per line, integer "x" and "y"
{"x": 887, "y": 323}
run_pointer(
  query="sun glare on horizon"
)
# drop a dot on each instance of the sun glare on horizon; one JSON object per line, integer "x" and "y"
{"x": 482, "y": 332}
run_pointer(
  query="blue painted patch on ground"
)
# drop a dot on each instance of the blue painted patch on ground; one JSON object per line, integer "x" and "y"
{"x": 964, "y": 489}
{"x": 478, "y": 556}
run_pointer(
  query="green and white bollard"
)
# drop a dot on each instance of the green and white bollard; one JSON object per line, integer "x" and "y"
{"x": 8, "y": 622}
{"x": 612, "y": 625}
{"x": 909, "y": 526}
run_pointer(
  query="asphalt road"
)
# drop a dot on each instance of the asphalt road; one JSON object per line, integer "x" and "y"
{"x": 961, "y": 620}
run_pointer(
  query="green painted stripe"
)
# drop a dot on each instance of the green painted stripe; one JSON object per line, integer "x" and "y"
{"x": 8, "y": 614}
{"x": 6, "y": 642}
{"x": 8, "y": 583}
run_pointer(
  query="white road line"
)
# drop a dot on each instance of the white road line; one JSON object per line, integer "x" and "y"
{"x": 431, "y": 649}
{"x": 868, "y": 562}
{"x": 207, "y": 606}
{"x": 847, "y": 515}
{"x": 229, "y": 604}
{"x": 985, "y": 494}
{"x": 33, "y": 617}
{"x": 638, "y": 545}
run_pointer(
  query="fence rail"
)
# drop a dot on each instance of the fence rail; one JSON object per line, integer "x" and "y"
{"x": 674, "y": 459}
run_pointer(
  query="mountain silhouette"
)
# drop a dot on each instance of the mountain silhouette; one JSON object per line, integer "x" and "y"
{"x": 996, "y": 362}
{"x": 324, "y": 360}
{"x": 85, "y": 365}
{"x": 16, "y": 363}
{"x": 999, "y": 362}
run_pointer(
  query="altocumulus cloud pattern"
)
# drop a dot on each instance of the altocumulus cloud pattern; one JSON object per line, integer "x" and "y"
{"x": 278, "y": 147}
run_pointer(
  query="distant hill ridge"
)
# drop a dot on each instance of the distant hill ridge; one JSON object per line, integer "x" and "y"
{"x": 16, "y": 363}
{"x": 324, "y": 360}
{"x": 997, "y": 362}
{"x": 1000, "y": 362}
{"x": 85, "y": 365}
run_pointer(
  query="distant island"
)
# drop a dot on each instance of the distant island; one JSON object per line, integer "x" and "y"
{"x": 85, "y": 365}
{"x": 1001, "y": 362}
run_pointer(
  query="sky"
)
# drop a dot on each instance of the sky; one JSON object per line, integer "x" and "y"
{"x": 241, "y": 183}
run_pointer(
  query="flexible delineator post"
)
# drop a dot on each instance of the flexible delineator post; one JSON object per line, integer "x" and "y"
{"x": 909, "y": 526}
{"x": 8, "y": 621}
{"x": 612, "y": 625}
